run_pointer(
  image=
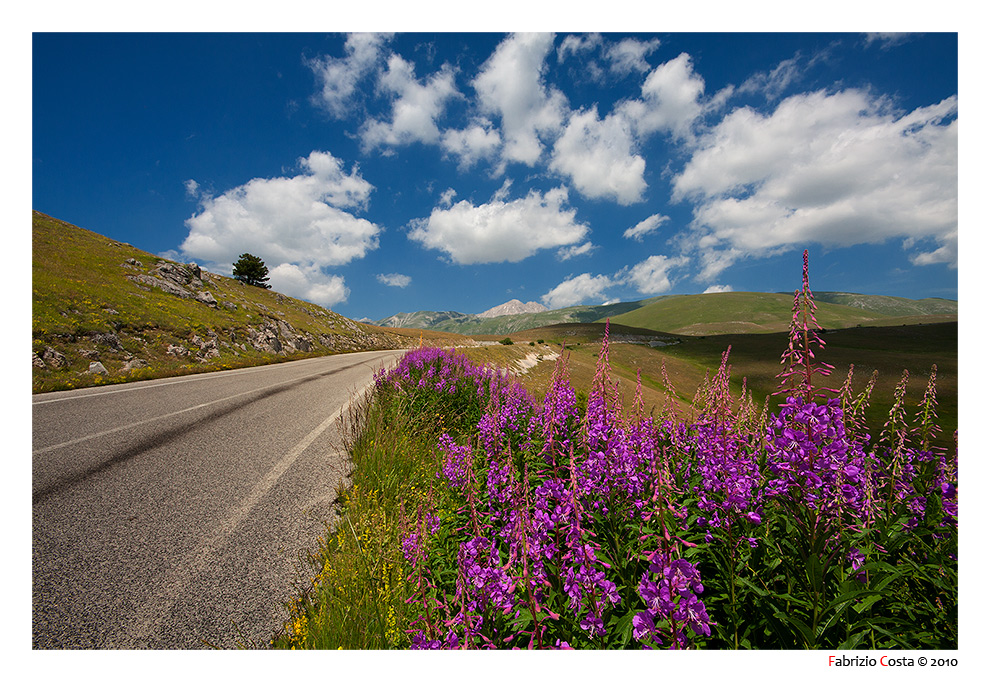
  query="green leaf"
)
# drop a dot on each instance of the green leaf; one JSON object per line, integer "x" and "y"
{"x": 800, "y": 628}
{"x": 743, "y": 582}
{"x": 866, "y": 603}
{"x": 624, "y": 628}
{"x": 853, "y": 640}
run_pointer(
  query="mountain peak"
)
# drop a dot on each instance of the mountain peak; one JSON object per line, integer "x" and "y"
{"x": 513, "y": 307}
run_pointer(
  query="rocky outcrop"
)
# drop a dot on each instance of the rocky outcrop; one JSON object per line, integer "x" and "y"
{"x": 182, "y": 280}
{"x": 110, "y": 340}
{"x": 52, "y": 358}
{"x": 209, "y": 348}
{"x": 177, "y": 351}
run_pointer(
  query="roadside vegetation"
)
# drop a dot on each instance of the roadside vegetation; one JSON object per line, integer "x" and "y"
{"x": 482, "y": 516}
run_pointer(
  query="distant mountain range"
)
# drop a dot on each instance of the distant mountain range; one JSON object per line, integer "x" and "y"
{"x": 513, "y": 307}
{"x": 693, "y": 315}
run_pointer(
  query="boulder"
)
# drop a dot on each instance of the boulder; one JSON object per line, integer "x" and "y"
{"x": 97, "y": 368}
{"x": 207, "y": 298}
{"x": 135, "y": 363}
{"x": 110, "y": 340}
{"x": 178, "y": 351}
{"x": 169, "y": 287}
{"x": 54, "y": 358}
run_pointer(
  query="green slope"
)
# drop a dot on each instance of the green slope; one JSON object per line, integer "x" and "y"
{"x": 746, "y": 312}
{"x": 98, "y": 300}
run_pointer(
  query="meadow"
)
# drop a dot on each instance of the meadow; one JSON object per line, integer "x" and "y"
{"x": 481, "y": 517}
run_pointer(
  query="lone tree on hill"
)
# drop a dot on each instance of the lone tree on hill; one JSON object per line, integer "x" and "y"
{"x": 251, "y": 270}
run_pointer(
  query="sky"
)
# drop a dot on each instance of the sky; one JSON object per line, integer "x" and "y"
{"x": 384, "y": 173}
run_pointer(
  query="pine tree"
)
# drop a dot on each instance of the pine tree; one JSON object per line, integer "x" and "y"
{"x": 251, "y": 270}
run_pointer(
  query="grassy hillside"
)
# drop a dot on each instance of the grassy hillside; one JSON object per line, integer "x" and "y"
{"x": 96, "y": 300}
{"x": 699, "y": 314}
{"x": 894, "y": 306}
{"x": 745, "y": 312}
{"x": 888, "y": 350}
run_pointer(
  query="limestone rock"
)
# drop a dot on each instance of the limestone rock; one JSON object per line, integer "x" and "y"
{"x": 109, "y": 339}
{"x": 97, "y": 368}
{"x": 54, "y": 358}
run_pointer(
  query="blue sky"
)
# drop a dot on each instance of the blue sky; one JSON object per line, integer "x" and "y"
{"x": 379, "y": 173}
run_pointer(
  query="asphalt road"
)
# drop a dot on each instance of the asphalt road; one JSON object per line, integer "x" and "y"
{"x": 176, "y": 513}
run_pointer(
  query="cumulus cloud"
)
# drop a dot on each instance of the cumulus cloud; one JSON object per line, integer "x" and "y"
{"x": 338, "y": 77}
{"x": 652, "y": 276}
{"x": 569, "y": 252}
{"x": 645, "y": 227}
{"x": 416, "y": 107}
{"x": 671, "y": 100}
{"x": 479, "y": 141}
{"x": 511, "y": 85}
{"x": 576, "y": 290}
{"x": 500, "y": 231}
{"x": 575, "y": 45}
{"x": 629, "y": 55}
{"x": 718, "y": 289}
{"x": 395, "y": 280}
{"x": 447, "y": 197}
{"x": 597, "y": 155}
{"x": 298, "y": 222}
{"x": 308, "y": 282}
{"x": 834, "y": 169}
{"x": 192, "y": 188}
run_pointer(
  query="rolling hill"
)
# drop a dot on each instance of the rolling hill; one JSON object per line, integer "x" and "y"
{"x": 699, "y": 314}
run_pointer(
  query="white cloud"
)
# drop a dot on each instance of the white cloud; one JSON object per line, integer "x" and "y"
{"x": 500, "y": 231}
{"x": 629, "y": 55}
{"x": 773, "y": 83}
{"x": 671, "y": 100}
{"x": 597, "y": 155}
{"x": 192, "y": 188}
{"x": 395, "y": 280}
{"x": 887, "y": 40}
{"x": 645, "y": 227}
{"x": 574, "y": 45}
{"x": 416, "y": 108}
{"x": 652, "y": 276}
{"x": 948, "y": 253}
{"x": 472, "y": 144}
{"x": 447, "y": 197}
{"x": 569, "y": 252}
{"x": 338, "y": 77}
{"x": 296, "y": 221}
{"x": 511, "y": 85}
{"x": 577, "y": 290}
{"x": 718, "y": 289}
{"x": 308, "y": 282}
{"x": 834, "y": 169}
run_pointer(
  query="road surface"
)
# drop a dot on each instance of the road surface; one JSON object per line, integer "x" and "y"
{"x": 177, "y": 513}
